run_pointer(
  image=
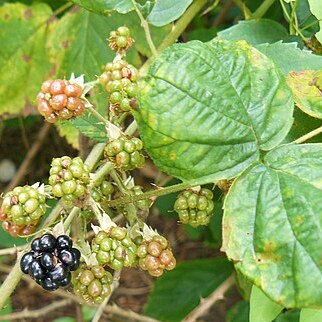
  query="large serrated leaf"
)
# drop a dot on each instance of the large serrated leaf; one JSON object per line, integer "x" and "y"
{"x": 105, "y": 6}
{"x": 206, "y": 109}
{"x": 166, "y": 11}
{"x": 305, "y": 86}
{"x": 272, "y": 226}
{"x": 184, "y": 286}
{"x": 310, "y": 315}
{"x": 24, "y": 61}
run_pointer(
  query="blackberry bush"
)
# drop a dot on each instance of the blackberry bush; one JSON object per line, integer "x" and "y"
{"x": 68, "y": 178}
{"x": 195, "y": 207}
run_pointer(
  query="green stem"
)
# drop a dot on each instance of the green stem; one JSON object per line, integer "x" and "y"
{"x": 98, "y": 115}
{"x": 146, "y": 29}
{"x": 241, "y": 5}
{"x": 309, "y": 135}
{"x": 67, "y": 222}
{"x": 177, "y": 30}
{"x": 101, "y": 172}
{"x": 262, "y": 9}
{"x": 15, "y": 275}
{"x": 149, "y": 194}
{"x": 131, "y": 128}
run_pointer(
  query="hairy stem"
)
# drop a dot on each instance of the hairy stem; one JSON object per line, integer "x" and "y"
{"x": 149, "y": 194}
{"x": 146, "y": 29}
{"x": 177, "y": 30}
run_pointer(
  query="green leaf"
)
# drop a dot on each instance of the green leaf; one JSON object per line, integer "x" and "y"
{"x": 24, "y": 61}
{"x": 166, "y": 11}
{"x": 272, "y": 225}
{"x": 239, "y": 312}
{"x": 88, "y": 312}
{"x": 103, "y": 7}
{"x": 316, "y": 9}
{"x": 184, "y": 286}
{"x": 262, "y": 309}
{"x": 209, "y": 120}
{"x": 255, "y": 32}
{"x": 79, "y": 43}
{"x": 65, "y": 319}
{"x": 290, "y": 58}
{"x": 310, "y": 315}
{"x": 305, "y": 86}
{"x": 91, "y": 127}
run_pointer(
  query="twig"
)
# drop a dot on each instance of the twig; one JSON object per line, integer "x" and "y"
{"x": 146, "y": 29}
{"x": 207, "y": 303}
{"x": 25, "y": 165}
{"x": 149, "y": 194}
{"x": 309, "y": 135}
{"x": 11, "y": 250}
{"x": 114, "y": 286}
{"x": 177, "y": 30}
{"x": 223, "y": 13}
{"x": 34, "y": 314}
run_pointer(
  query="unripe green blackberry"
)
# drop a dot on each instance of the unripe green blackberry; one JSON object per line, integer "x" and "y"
{"x": 155, "y": 256}
{"x": 92, "y": 283}
{"x": 60, "y": 100}
{"x": 69, "y": 178}
{"x": 102, "y": 190}
{"x": 195, "y": 208}
{"x": 120, "y": 40}
{"x": 125, "y": 153}
{"x": 119, "y": 80}
{"x": 114, "y": 248}
{"x": 23, "y": 206}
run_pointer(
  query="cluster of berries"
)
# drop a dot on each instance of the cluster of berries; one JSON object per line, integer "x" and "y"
{"x": 22, "y": 209}
{"x": 60, "y": 100}
{"x": 120, "y": 39}
{"x": 69, "y": 178}
{"x": 125, "y": 153}
{"x": 155, "y": 256}
{"x": 120, "y": 82}
{"x": 92, "y": 283}
{"x": 51, "y": 261}
{"x": 195, "y": 207}
{"x": 114, "y": 248}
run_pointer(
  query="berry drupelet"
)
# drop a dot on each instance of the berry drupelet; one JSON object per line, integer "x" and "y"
{"x": 51, "y": 261}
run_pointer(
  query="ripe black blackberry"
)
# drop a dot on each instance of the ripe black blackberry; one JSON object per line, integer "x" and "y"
{"x": 51, "y": 261}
